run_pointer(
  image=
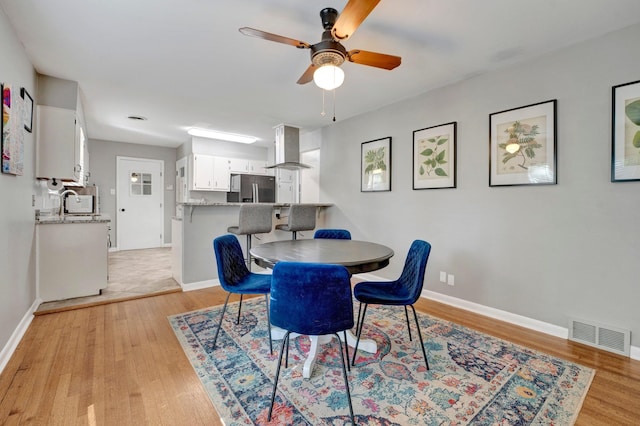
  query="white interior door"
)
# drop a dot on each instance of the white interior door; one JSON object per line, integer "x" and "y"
{"x": 139, "y": 203}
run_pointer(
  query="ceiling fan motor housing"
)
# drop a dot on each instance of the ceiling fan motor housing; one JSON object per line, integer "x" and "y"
{"x": 328, "y": 52}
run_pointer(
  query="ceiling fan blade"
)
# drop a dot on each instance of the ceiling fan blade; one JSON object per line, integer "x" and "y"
{"x": 351, "y": 17}
{"x": 252, "y": 32}
{"x": 373, "y": 59}
{"x": 307, "y": 77}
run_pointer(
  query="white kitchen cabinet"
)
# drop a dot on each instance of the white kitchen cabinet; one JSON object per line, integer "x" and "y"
{"x": 201, "y": 172}
{"x": 209, "y": 173}
{"x": 238, "y": 165}
{"x": 61, "y": 145}
{"x": 221, "y": 174}
{"x": 285, "y": 193}
{"x": 258, "y": 167}
{"x": 72, "y": 259}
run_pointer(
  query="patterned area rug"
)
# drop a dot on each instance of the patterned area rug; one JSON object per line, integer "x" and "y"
{"x": 473, "y": 378}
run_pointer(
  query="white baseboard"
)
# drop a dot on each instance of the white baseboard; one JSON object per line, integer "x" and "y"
{"x": 200, "y": 285}
{"x": 17, "y": 335}
{"x": 498, "y": 314}
{"x": 509, "y": 317}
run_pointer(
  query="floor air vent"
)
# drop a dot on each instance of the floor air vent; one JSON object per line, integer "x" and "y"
{"x": 601, "y": 336}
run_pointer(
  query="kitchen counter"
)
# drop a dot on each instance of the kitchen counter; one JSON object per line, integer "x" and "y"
{"x": 276, "y": 206}
{"x": 72, "y": 259}
{"x": 49, "y": 220}
{"x": 210, "y": 203}
{"x": 194, "y": 264}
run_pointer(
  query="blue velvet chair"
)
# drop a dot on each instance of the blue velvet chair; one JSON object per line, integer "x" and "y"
{"x": 235, "y": 278}
{"x": 332, "y": 234}
{"x": 312, "y": 299}
{"x": 404, "y": 291}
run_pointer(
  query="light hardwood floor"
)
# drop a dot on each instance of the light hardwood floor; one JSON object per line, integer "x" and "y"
{"x": 121, "y": 364}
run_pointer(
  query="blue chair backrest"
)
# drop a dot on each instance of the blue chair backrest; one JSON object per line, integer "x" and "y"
{"x": 231, "y": 266}
{"x": 412, "y": 277}
{"x": 333, "y": 234}
{"x": 311, "y": 298}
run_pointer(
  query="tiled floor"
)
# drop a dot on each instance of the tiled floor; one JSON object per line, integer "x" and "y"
{"x": 132, "y": 274}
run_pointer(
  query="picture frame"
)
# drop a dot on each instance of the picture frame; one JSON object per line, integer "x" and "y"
{"x": 434, "y": 157}
{"x": 28, "y": 109}
{"x": 523, "y": 145}
{"x": 375, "y": 165}
{"x": 12, "y": 131}
{"x": 625, "y": 132}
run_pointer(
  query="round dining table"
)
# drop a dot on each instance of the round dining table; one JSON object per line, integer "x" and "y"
{"x": 356, "y": 256}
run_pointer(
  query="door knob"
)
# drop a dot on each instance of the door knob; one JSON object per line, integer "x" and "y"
{"x": 121, "y": 210}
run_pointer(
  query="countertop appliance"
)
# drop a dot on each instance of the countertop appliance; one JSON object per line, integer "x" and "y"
{"x": 246, "y": 188}
{"x": 87, "y": 202}
{"x": 82, "y": 204}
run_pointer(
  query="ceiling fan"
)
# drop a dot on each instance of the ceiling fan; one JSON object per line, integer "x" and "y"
{"x": 328, "y": 54}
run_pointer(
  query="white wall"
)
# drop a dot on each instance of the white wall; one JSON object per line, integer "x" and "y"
{"x": 17, "y": 216}
{"x": 543, "y": 252}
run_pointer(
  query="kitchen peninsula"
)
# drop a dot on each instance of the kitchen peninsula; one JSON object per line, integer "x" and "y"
{"x": 194, "y": 264}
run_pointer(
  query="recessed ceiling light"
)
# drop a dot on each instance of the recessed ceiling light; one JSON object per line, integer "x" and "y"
{"x": 137, "y": 117}
{"x": 214, "y": 134}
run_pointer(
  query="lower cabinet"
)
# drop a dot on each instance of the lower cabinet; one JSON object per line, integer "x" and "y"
{"x": 72, "y": 259}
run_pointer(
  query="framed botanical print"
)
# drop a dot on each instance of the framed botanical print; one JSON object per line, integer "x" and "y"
{"x": 375, "y": 165}
{"x": 522, "y": 145}
{"x": 625, "y": 139}
{"x": 434, "y": 157}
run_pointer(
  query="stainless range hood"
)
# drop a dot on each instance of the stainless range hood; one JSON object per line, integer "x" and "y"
{"x": 287, "y": 148}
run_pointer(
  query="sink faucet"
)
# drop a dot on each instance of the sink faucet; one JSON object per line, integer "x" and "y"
{"x": 61, "y": 195}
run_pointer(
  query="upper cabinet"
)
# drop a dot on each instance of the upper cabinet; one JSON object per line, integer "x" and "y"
{"x": 209, "y": 173}
{"x": 61, "y": 150}
{"x": 61, "y": 146}
{"x": 240, "y": 165}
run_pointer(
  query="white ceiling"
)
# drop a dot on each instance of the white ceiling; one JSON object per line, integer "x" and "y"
{"x": 183, "y": 63}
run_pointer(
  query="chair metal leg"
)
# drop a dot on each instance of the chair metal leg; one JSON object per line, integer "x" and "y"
{"x": 215, "y": 338}
{"x": 239, "y": 310}
{"x": 275, "y": 382}
{"x": 415, "y": 316}
{"x": 249, "y": 252}
{"x": 358, "y": 320}
{"x": 355, "y": 349}
{"x": 406, "y": 314}
{"x": 266, "y": 301}
{"x": 346, "y": 350}
{"x": 286, "y": 357}
{"x": 346, "y": 380}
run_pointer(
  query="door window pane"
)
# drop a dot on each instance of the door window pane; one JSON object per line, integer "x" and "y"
{"x": 140, "y": 183}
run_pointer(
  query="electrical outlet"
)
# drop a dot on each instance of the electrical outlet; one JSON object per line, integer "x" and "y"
{"x": 450, "y": 279}
{"x": 443, "y": 277}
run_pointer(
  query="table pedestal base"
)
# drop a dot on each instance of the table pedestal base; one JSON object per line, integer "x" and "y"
{"x": 367, "y": 345}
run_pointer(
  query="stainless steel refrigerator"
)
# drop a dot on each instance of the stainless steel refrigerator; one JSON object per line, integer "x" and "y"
{"x": 247, "y": 188}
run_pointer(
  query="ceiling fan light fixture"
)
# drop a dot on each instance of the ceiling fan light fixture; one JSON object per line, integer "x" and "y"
{"x": 328, "y": 77}
{"x": 215, "y": 134}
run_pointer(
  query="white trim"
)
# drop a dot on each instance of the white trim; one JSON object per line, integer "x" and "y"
{"x": 200, "y": 285}
{"x": 165, "y": 245}
{"x": 498, "y": 314}
{"x": 511, "y": 318}
{"x": 17, "y": 335}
